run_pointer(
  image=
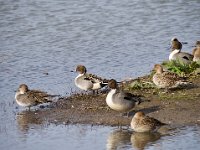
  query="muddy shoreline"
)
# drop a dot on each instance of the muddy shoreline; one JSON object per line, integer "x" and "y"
{"x": 179, "y": 107}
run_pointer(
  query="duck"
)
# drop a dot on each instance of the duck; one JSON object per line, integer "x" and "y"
{"x": 165, "y": 79}
{"x": 28, "y": 98}
{"x": 142, "y": 123}
{"x": 176, "y": 53}
{"x": 85, "y": 81}
{"x": 196, "y": 52}
{"x": 119, "y": 100}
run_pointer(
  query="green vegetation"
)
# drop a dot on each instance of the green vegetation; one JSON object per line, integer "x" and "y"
{"x": 181, "y": 68}
{"x": 141, "y": 85}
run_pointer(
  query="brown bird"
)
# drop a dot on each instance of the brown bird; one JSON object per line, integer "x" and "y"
{"x": 142, "y": 123}
{"x": 196, "y": 51}
{"x": 27, "y": 98}
{"x": 164, "y": 79}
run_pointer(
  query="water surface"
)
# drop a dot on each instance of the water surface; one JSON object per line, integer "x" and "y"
{"x": 112, "y": 38}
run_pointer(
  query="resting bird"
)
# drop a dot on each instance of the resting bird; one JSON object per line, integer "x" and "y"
{"x": 86, "y": 81}
{"x": 176, "y": 53}
{"x": 196, "y": 51}
{"x": 142, "y": 123}
{"x": 119, "y": 100}
{"x": 27, "y": 98}
{"x": 164, "y": 79}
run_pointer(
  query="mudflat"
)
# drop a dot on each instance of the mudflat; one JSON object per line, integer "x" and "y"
{"x": 177, "y": 107}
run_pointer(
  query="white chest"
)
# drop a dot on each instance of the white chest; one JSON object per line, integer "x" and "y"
{"x": 173, "y": 53}
{"x": 109, "y": 98}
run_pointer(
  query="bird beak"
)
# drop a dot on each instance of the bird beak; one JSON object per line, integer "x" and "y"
{"x": 184, "y": 42}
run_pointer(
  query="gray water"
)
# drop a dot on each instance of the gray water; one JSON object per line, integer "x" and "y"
{"x": 112, "y": 38}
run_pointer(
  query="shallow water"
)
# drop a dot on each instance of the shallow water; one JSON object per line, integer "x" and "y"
{"x": 112, "y": 38}
{"x": 49, "y": 136}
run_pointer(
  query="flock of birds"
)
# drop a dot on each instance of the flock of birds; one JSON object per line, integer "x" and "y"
{"x": 117, "y": 99}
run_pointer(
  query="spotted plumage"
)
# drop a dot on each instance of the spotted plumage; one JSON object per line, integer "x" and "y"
{"x": 27, "y": 98}
{"x": 196, "y": 51}
{"x": 142, "y": 123}
{"x": 164, "y": 79}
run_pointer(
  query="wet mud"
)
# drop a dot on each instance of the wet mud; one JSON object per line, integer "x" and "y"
{"x": 177, "y": 107}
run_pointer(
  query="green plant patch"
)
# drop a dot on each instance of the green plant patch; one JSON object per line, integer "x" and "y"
{"x": 181, "y": 68}
{"x": 141, "y": 85}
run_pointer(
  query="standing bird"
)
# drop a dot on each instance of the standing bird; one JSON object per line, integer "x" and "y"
{"x": 142, "y": 123}
{"x": 27, "y": 98}
{"x": 164, "y": 79}
{"x": 196, "y": 51}
{"x": 119, "y": 100}
{"x": 176, "y": 53}
{"x": 86, "y": 81}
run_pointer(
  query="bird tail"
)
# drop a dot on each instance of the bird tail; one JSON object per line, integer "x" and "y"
{"x": 184, "y": 84}
{"x": 48, "y": 100}
{"x": 138, "y": 101}
{"x": 103, "y": 84}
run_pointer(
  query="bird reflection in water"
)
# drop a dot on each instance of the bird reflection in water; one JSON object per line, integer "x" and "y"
{"x": 140, "y": 140}
{"x": 118, "y": 139}
{"x": 28, "y": 120}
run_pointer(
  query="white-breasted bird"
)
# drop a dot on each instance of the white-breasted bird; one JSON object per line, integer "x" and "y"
{"x": 86, "y": 81}
{"x": 119, "y": 100}
{"x": 176, "y": 53}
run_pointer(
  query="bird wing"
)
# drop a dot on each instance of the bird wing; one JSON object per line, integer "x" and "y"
{"x": 40, "y": 93}
{"x": 96, "y": 79}
{"x": 31, "y": 97}
{"x": 129, "y": 96}
{"x": 40, "y": 97}
{"x": 186, "y": 56}
{"x": 153, "y": 122}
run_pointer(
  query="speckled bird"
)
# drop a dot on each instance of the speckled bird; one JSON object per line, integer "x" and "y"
{"x": 142, "y": 123}
{"x": 196, "y": 51}
{"x": 164, "y": 79}
{"x": 27, "y": 98}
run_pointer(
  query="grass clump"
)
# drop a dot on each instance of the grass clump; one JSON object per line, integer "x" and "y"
{"x": 181, "y": 68}
{"x": 141, "y": 85}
